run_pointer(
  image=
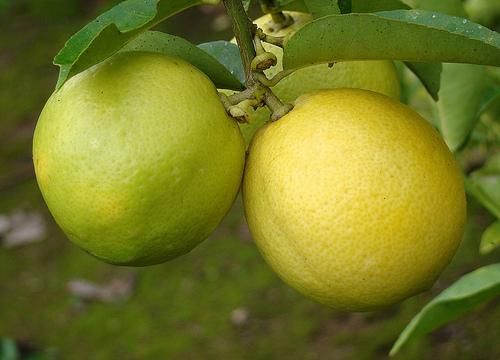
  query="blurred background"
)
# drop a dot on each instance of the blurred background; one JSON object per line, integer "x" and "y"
{"x": 221, "y": 301}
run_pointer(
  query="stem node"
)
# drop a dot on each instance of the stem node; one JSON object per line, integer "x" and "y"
{"x": 255, "y": 59}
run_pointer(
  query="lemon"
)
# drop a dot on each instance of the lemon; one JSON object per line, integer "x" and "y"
{"x": 354, "y": 199}
{"x": 377, "y": 75}
{"x": 136, "y": 158}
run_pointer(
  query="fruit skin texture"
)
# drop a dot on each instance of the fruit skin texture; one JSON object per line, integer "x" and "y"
{"x": 136, "y": 158}
{"x": 354, "y": 199}
{"x": 377, "y": 75}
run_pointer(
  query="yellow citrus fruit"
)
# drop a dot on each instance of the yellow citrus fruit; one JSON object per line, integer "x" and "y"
{"x": 377, "y": 75}
{"x": 353, "y": 199}
{"x": 136, "y": 158}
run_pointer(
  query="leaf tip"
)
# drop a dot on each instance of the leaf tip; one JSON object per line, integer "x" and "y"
{"x": 396, "y": 347}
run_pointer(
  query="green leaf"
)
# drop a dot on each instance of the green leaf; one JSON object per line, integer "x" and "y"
{"x": 490, "y": 239}
{"x": 320, "y": 8}
{"x": 484, "y": 183}
{"x": 228, "y": 54}
{"x": 466, "y": 90}
{"x": 429, "y": 75}
{"x": 469, "y": 291}
{"x": 409, "y": 35}
{"x": 171, "y": 45}
{"x": 450, "y": 7}
{"x": 8, "y": 349}
{"x": 112, "y": 30}
{"x": 370, "y": 6}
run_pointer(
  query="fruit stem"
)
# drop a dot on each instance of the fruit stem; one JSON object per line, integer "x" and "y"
{"x": 274, "y": 104}
{"x": 274, "y": 40}
{"x": 281, "y": 19}
{"x": 241, "y": 96}
{"x": 243, "y": 30}
{"x": 274, "y": 80}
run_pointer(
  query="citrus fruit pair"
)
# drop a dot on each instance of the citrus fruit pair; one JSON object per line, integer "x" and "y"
{"x": 352, "y": 198}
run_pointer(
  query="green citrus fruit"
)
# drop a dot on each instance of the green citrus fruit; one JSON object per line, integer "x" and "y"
{"x": 380, "y": 76}
{"x": 136, "y": 158}
{"x": 353, "y": 199}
